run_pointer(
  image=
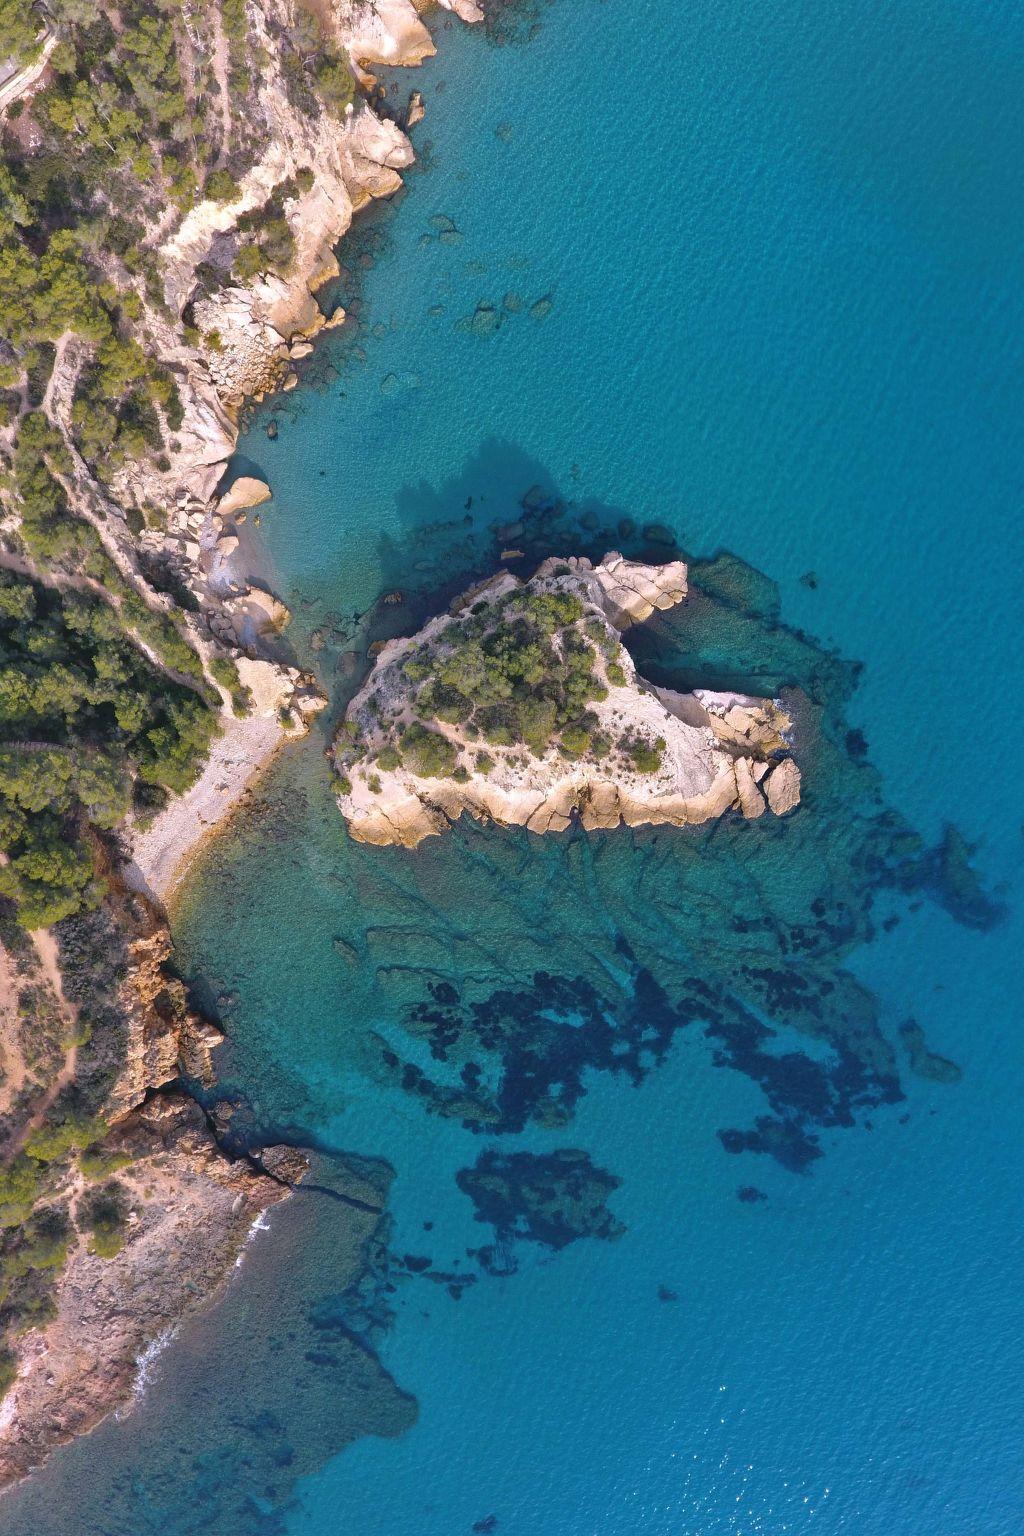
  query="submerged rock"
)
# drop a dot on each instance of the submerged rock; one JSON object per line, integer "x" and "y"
{"x": 553, "y": 1199}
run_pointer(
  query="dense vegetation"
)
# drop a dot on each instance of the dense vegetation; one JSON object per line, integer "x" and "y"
{"x": 19, "y": 30}
{"x": 102, "y": 695}
{"x": 85, "y": 720}
{"x": 522, "y": 671}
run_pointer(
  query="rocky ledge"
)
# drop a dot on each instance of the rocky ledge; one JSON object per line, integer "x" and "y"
{"x": 120, "y": 1213}
{"x": 522, "y": 706}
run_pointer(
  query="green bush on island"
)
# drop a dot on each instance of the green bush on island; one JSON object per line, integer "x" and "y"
{"x": 427, "y": 753}
{"x": 518, "y": 670}
{"x": 644, "y": 757}
{"x": 389, "y": 758}
{"x": 616, "y": 675}
{"x": 575, "y": 741}
{"x": 444, "y": 702}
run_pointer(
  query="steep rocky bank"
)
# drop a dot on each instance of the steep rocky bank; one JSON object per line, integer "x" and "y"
{"x": 119, "y": 1211}
{"x": 568, "y": 726}
{"x": 112, "y": 1172}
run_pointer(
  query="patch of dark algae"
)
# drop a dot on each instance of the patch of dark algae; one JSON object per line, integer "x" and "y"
{"x": 552, "y": 1199}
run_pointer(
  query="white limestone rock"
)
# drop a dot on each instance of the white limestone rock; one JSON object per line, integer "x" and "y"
{"x": 246, "y": 491}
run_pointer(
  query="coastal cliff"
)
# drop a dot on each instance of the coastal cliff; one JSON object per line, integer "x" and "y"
{"x": 119, "y": 1213}
{"x": 240, "y": 141}
{"x": 173, "y": 182}
{"x": 523, "y": 707}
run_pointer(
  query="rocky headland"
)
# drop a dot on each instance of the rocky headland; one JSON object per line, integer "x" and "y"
{"x": 173, "y": 183}
{"x": 119, "y": 1212}
{"x": 522, "y": 706}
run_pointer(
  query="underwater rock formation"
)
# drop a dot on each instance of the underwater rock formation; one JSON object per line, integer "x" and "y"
{"x": 552, "y": 1199}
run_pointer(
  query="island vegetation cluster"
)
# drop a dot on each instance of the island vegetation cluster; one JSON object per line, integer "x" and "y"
{"x": 519, "y": 671}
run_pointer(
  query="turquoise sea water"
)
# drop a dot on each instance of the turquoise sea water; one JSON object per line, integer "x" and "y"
{"x": 782, "y": 251}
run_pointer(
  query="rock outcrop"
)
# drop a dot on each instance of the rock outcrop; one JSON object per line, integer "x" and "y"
{"x": 188, "y": 1207}
{"x": 635, "y": 753}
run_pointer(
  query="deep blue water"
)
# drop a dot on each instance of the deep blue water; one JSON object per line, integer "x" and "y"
{"x": 782, "y": 251}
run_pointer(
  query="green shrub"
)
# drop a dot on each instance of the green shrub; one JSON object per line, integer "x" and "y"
{"x": 97, "y": 1162}
{"x": 52, "y": 1141}
{"x": 427, "y": 753}
{"x": 20, "y": 1186}
{"x": 335, "y": 83}
{"x": 575, "y": 740}
{"x": 222, "y": 187}
{"x": 103, "y": 1212}
{"x": 8, "y": 1370}
{"x": 644, "y": 757}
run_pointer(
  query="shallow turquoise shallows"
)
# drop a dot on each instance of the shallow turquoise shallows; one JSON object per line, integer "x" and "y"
{"x": 752, "y": 274}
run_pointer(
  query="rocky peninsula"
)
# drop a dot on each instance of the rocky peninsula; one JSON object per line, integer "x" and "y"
{"x": 522, "y": 706}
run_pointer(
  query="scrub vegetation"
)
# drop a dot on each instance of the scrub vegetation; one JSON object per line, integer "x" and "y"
{"x": 520, "y": 672}
{"x": 103, "y": 700}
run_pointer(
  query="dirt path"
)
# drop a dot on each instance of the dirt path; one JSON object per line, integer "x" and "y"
{"x": 45, "y": 946}
{"x": 220, "y": 64}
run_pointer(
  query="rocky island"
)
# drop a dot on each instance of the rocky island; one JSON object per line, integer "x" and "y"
{"x": 523, "y": 707}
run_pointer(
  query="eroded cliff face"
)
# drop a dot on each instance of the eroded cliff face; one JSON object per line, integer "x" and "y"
{"x": 567, "y": 725}
{"x": 228, "y": 339}
{"x": 120, "y": 1212}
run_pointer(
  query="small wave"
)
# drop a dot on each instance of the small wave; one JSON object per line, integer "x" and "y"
{"x": 261, "y": 1224}
{"x": 145, "y": 1361}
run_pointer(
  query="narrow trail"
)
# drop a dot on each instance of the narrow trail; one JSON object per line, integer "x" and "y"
{"x": 219, "y": 63}
{"x": 45, "y": 946}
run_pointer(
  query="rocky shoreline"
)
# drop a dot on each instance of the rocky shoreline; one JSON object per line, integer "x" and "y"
{"x": 576, "y": 732}
{"x": 187, "y": 1207}
{"x": 183, "y": 1208}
